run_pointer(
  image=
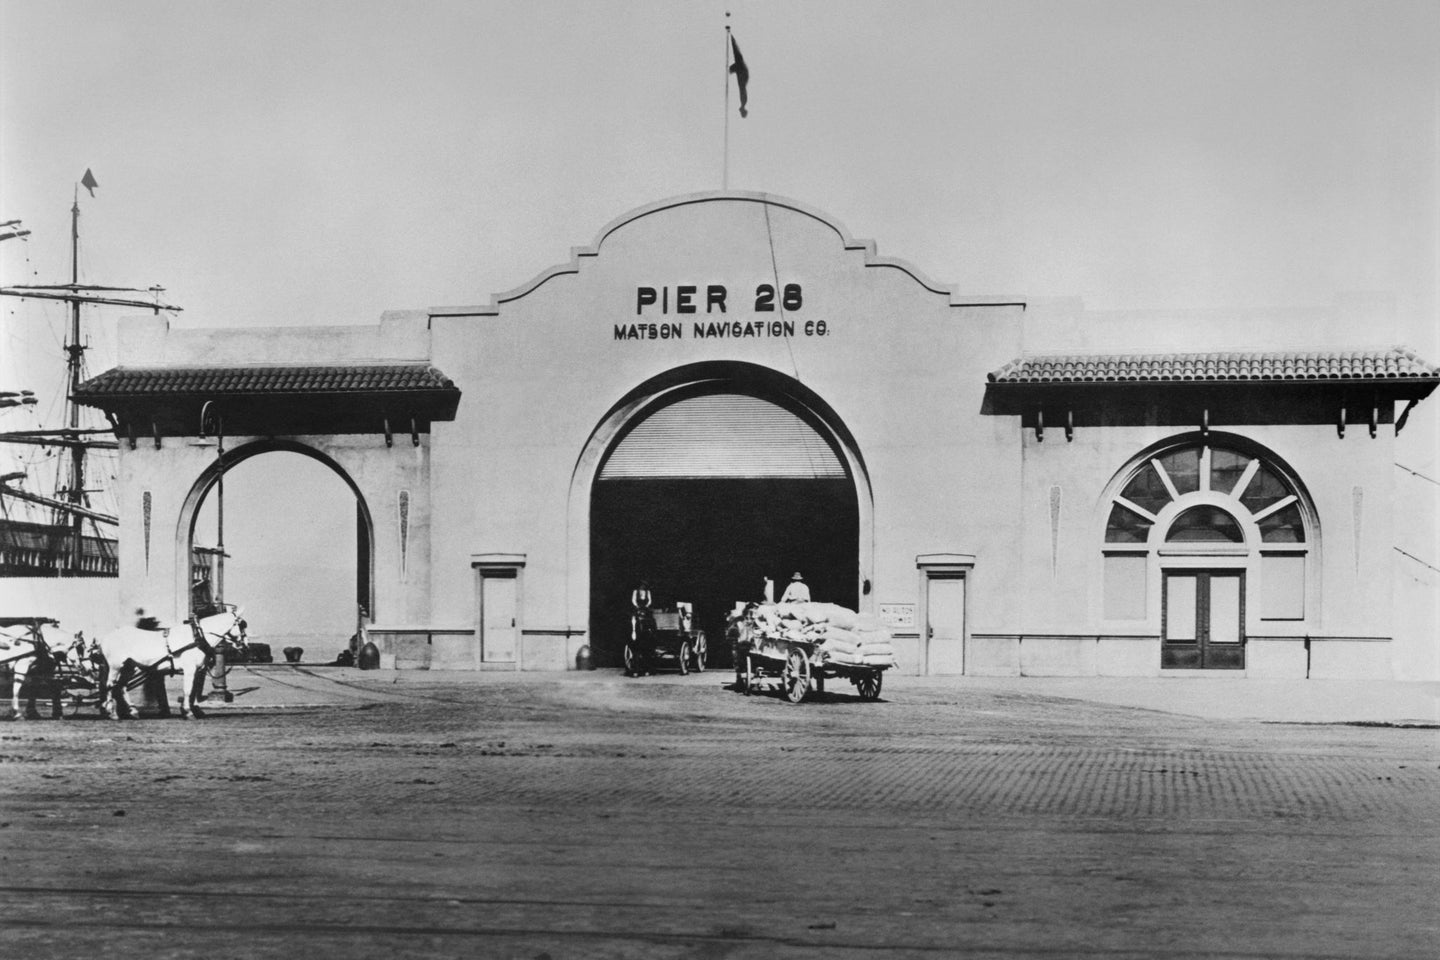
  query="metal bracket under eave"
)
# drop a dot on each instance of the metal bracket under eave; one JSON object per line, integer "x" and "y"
{"x": 1374, "y": 418}
{"x": 1040, "y": 425}
{"x": 1205, "y": 422}
{"x": 1069, "y": 425}
{"x": 155, "y": 429}
{"x": 1340, "y": 424}
{"x": 389, "y": 437}
{"x": 130, "y": 433}
{"x": 414, "y": 435}
{"x": 1404, "y": 415}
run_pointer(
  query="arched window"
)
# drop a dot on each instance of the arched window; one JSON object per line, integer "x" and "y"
{"x": 1203, "y": 499}
{"x": 1204, "y": 524}
{"x": 1253, "y": 488}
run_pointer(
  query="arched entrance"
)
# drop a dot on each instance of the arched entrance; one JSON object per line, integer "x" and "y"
{"x": 309, "y": 573}
{"x": 708, "y": 480}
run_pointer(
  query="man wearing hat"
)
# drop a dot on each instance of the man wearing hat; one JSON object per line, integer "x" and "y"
{"x": 797, "y": 591}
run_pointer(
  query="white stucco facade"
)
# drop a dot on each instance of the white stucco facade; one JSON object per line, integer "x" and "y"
{"x": 955, "y": 480}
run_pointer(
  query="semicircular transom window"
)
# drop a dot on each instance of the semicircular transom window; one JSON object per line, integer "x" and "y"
{"x": 1204, "y": 524}
{"x": 1253, "y": 488}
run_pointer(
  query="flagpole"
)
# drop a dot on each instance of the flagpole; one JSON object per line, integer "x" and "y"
{"x": 725, "y": 165}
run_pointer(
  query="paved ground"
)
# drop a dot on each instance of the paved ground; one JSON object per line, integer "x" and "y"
{"x": 335, "y": 813}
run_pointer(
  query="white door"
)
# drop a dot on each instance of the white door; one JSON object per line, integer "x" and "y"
{"x": 497, "y": 619}
{"x": 945, "y": 625}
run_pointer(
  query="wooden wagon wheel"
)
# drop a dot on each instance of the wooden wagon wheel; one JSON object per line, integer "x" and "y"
{"x": 869, "y": 685}
{"x": 747, "y": 683}
{"x": 684, "y": 657}
{"x": 795, "y": 680}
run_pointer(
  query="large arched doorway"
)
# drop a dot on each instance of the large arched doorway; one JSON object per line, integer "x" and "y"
{"x": 297, "y": 540}
{"x": 709, "y": 484}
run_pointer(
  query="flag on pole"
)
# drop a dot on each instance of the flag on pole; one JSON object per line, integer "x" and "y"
{"x": 89, "y": 182}
{"x": 742, "y": 75}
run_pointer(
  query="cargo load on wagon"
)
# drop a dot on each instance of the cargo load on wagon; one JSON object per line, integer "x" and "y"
{"x": 799, "y": 645}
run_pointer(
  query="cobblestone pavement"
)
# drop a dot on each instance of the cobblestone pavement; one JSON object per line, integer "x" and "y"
{"x": 592, "y": 816}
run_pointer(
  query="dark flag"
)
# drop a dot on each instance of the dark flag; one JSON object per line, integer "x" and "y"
{"x": 90, "y": 183}
{"x": 742, "y": 75}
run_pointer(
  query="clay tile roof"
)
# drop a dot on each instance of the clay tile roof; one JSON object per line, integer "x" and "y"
{"x": 267, "y": 379}
{"x": 1396, "y": 363}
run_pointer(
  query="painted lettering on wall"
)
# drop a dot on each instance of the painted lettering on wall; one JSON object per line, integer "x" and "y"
{"x": 686, "y": 298}
{"x": 712, "y": 300}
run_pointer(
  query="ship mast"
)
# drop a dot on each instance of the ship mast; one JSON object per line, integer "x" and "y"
{"x": 71, "y": 504}
{"x": 75, "y": 351}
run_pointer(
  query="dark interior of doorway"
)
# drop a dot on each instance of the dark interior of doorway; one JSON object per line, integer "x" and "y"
{"x": 712, "y": 542}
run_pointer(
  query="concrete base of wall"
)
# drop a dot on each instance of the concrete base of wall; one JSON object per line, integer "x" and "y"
{"x": 1350, "y": 660}
{"x": 907, "y": 655}
{"x": 1275, "y": 658}
{"x": 992, "y": 656}
{"x": 546, "y": 653}
{"x": 452, "y": 652}
{"x": 425, "y": 649}
{"x": 1127, "y": 656}
{"x": 1079, "y": 656}
{"x": 1057, "y": 656}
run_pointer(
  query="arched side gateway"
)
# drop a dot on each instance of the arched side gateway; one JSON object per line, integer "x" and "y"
{"x": 707, "y": 479}
{"x": 369, "y": 422}
{"x": 223, "y": 463}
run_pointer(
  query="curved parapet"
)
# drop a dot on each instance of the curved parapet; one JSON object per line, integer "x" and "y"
{"x": 579, "y": 254}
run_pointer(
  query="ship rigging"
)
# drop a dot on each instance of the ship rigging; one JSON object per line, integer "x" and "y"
{"x": 71, "y": 538}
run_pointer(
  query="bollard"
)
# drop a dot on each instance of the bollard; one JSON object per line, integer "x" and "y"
{"x": 369, "y": 657}
{"x": 582, "y": 658}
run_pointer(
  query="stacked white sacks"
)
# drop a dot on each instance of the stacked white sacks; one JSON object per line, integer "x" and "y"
{"x": 841, "y": 634}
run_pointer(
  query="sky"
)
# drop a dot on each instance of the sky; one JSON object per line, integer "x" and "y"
{"x": 317, "y": 162}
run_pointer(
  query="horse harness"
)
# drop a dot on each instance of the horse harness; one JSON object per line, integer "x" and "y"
{"x": 39, "y": 649}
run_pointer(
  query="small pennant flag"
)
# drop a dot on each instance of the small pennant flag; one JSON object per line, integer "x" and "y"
{"x": 89, "y": 182}
{"x": 742, "y": 75}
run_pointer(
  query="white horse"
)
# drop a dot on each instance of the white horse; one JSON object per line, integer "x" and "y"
{"x": 31, "y": 653}
{"x": 131, "y": 654}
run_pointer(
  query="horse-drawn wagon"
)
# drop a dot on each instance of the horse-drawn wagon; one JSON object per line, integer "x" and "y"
{"x": 42, "y": 666}
{"x": 665, "y": 637}
{"x": 798, "y": 646}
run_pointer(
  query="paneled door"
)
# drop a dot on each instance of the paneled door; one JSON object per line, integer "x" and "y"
{"x": 1204, "y": 620}
{"x": 945, "y": 625}
{"x": 497, "y": 616}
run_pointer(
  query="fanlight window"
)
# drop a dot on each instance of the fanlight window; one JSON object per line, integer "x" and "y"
{"x": 1233, "y": 509}
{"x": 1256, "y": 489}
{"x": 1204, "y": 525}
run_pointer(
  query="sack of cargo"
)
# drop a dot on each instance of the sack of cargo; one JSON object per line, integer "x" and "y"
{"x": 831, "y": 613}
{"x": 837, "y": 645}
{"x": 834, "y": 633}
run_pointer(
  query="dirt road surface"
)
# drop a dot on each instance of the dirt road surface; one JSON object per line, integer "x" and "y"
{"x": 588, "y": 816}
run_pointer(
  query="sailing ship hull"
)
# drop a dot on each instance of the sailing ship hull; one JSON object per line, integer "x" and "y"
{"x": 30, "y": 549}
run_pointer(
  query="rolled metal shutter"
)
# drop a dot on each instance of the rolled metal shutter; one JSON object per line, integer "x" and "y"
{"x": 723, "y": 435}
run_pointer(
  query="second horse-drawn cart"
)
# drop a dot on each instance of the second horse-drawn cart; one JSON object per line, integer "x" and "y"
{"x": 665, "y": 637}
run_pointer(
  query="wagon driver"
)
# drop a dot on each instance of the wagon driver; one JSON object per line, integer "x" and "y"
{"x": 797, "y": 591}
{"x": 640, "y": 603}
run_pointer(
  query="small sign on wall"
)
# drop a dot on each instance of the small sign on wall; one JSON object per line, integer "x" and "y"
{"x": 897, "y": 614}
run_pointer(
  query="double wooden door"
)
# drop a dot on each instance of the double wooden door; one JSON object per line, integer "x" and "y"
{"x": 1204, "y": 620}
